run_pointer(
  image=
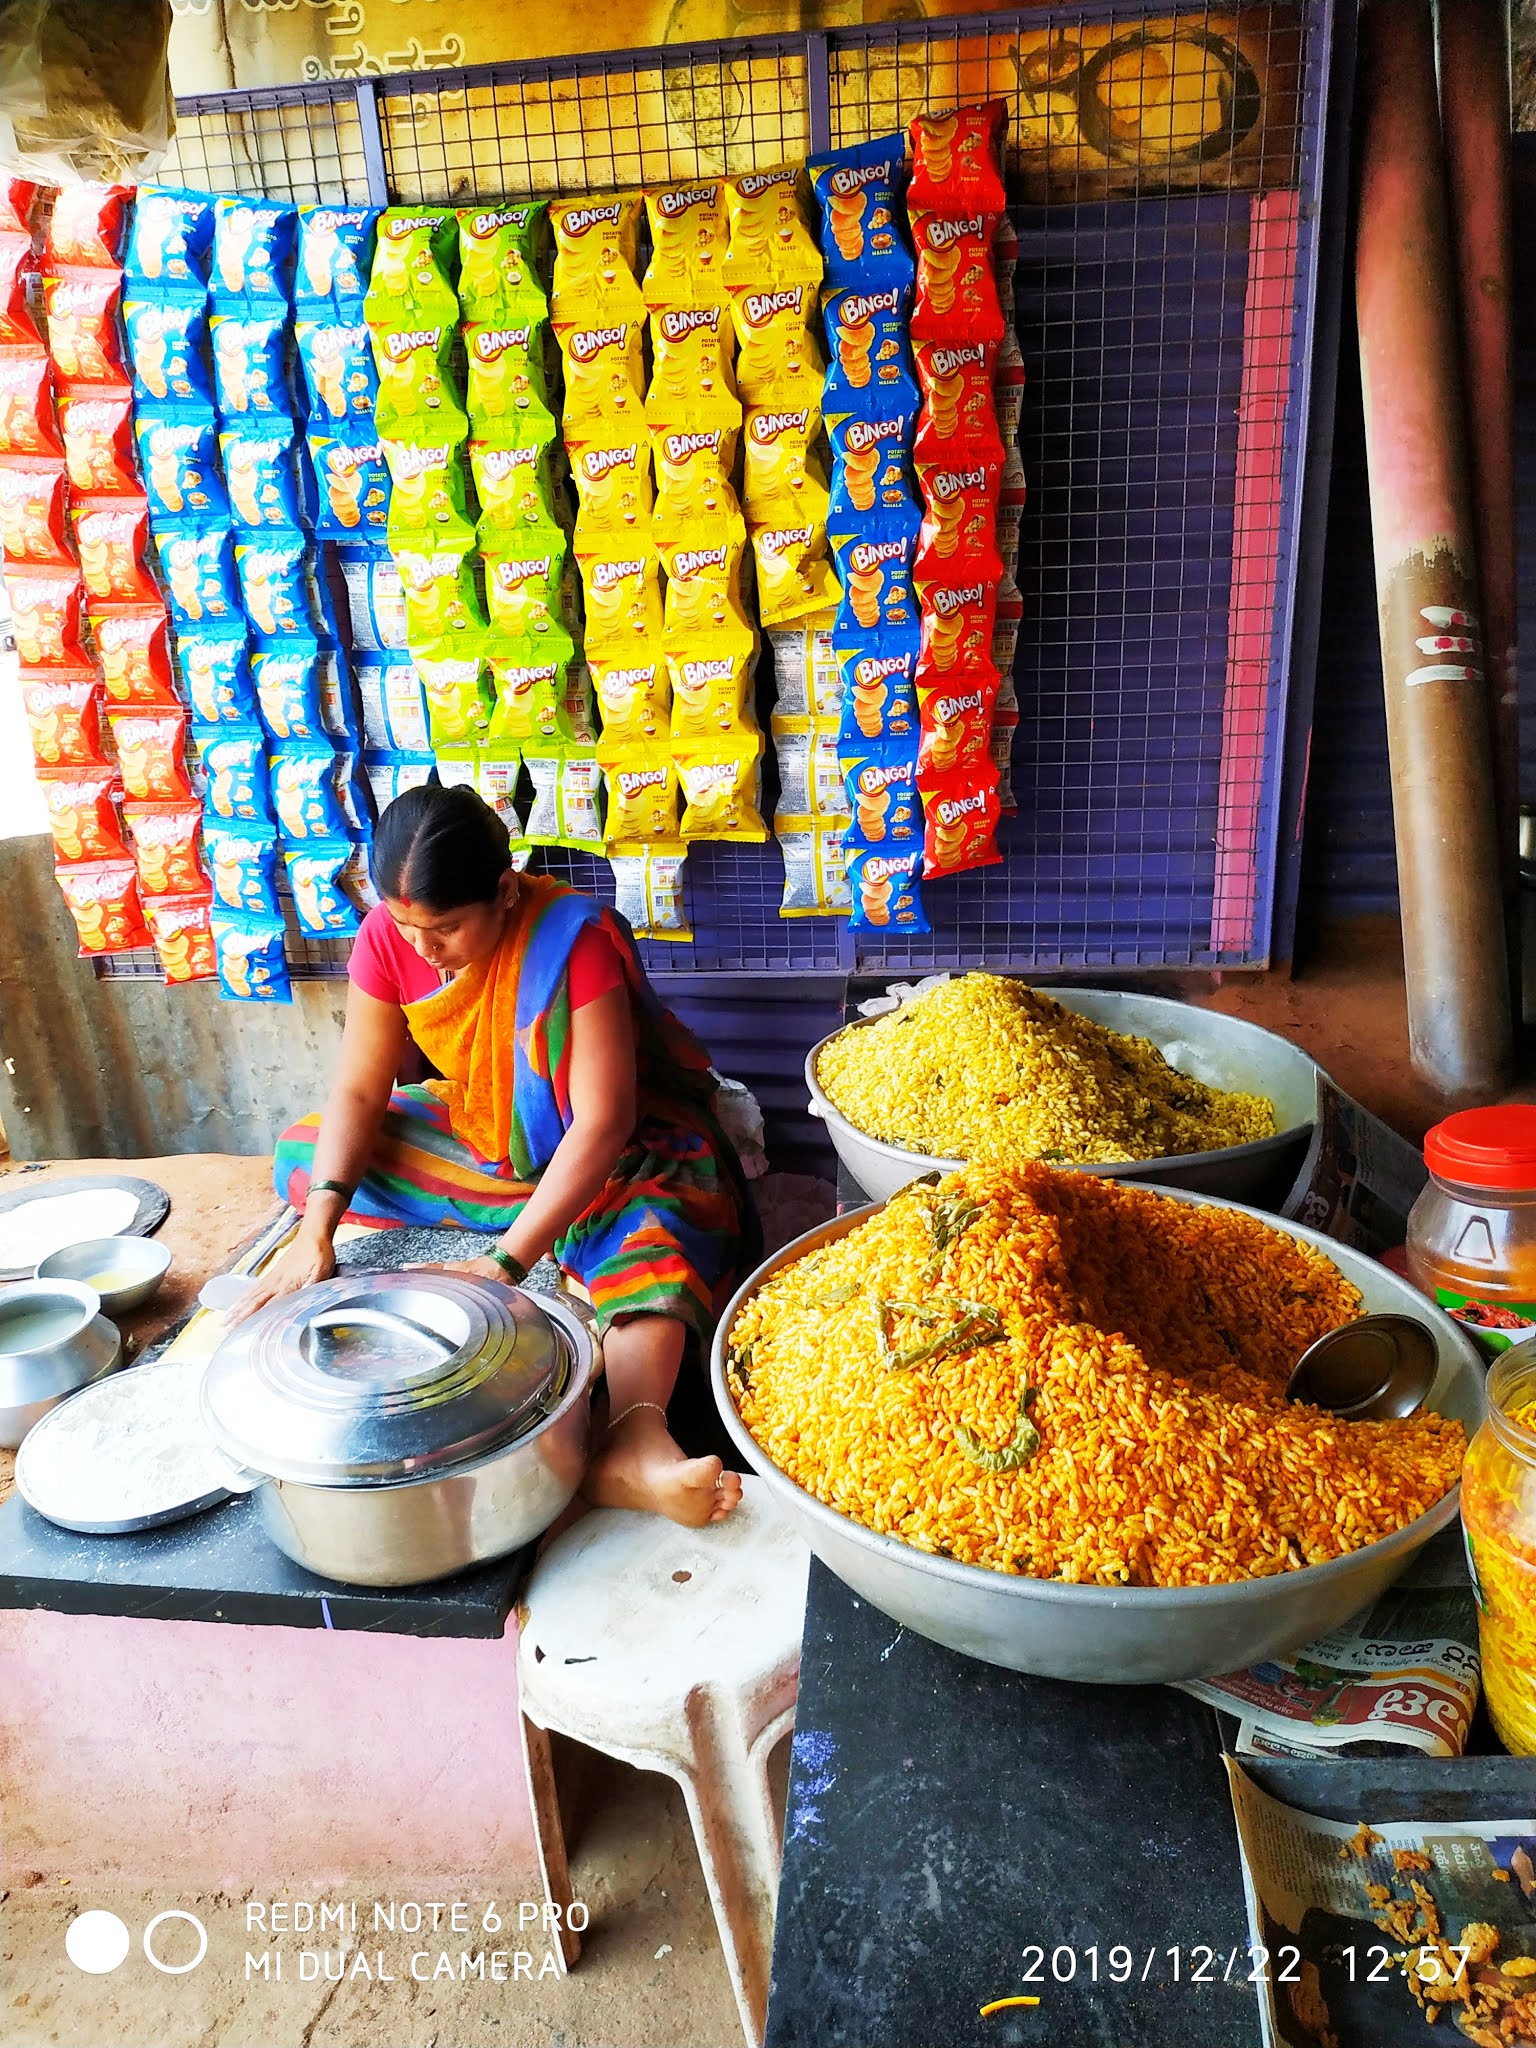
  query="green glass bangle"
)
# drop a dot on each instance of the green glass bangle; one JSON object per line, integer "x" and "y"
{"x": 514, "y": 1269}
{"x": 331, "y": 1187}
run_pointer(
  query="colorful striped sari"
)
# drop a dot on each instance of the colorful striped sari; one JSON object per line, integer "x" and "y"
{"x": 663, "y": 1238}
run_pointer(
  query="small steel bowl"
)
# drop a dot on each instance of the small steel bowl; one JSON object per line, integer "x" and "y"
{"x": 1378, "y": 1368}
{"x": 125, "y": 1271}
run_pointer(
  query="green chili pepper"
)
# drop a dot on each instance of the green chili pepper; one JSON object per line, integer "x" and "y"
{"x": 1012, "y": 1456}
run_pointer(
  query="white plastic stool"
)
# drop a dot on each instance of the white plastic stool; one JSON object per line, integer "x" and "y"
{"x": 676, "y": 1650}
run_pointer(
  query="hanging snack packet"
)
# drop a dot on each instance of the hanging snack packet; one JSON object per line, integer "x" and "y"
{"x": 216, "y": 671}
{"x": 63, "y": 713}
{"x": 719, "y": 782}
{"x": 26, "y": 404}
{"x": 250, "y": 362}
{"x": 497, "y": 773}
{"x": 170, "y": 237}
{"x": 82, "y": 813}
{"x": 604, "y": 376}
{"x": 525, "y": 590}
{"x": 709, "y": 691}
{"x": 1005, "y": 725}
{"x": 957, "y": 160}
{"x": 958, "y": 411}
{"x": 168, "y": 343}
{"x": 867, "y": 342}
{"x": 689, "y": 236}
{"x": 596, "y": 243}
{"x": 414, "y": 260}
{"x": 694, "y": 498}
{"x": 634, "y": 698}
{"x": 879, "y": 687}
{"x": 133, "y": 650}
{"x": 273, "y": 584}
{"x": 507, "y": 381}
{"x": 956, "y": 284}
{"x": 957, "y": 723}
{"x": 623, "y": 598}
{"x": 580, "y": 705}
{"x": 959, "y": 532}
{"x": 815, "y": 868}
{"x": 794, "y": 577}
{"x": 458, "y": 698}
{"x": 304, "y": 792}
{"x": 375, "y": 601}
{"x": 183, "y": 934}
{"x": 704, "y": 596}
{"x": 530, "y": 700}
{"x": 693, "y": 382}
{"x": 512, "y": 478}
{"x": 82, "y": 326}
{"x": 648, "y": 890}
{"x": 178, "y": 449}
{"x": 856, "y": 189}
{"x": 771, "y": 239}
{"x": 165, "y": 846}
{"x": 339, "y": 368}
{"x": 960, "y": 811}
{"x": 881, "y": 781}
{"x": 86, "y": 225}
{"x": 418, "y": 390}
{"x": 353, "y": 483}
{"x": 874, "y": 561}
{"x": 957, "y": 632}
{"x": 565, "y": 810}
{"x": 1008, "y": 385}
{"x": 426, "y": 503}
{"x": 150, "y": 746}
{"x": 17, "y": 198}
{"x": 321, "y": 904}
{"x": 779, "y": 364}
{"x": 287, "y": 681}
{"x": 613, "y": 490}
{"x": 244, "y": 868}
{"x": 499, "y": 257}
{"x": 252, "y": 967}
{"x": 810, "y": 773}
{"x": 32, "y": 509}
{"x": 111, "y": 534}
{"x": 871, "y": 470}
{"x": 885, "y": 892}
{"x": 441, "y": 602}
{"x": 45, "y": 614}
{"x": 252, "y": 248}
{"x": 1006, "y": 623}
{"x": 98, "y": 439}
{"x": 335, "y": 255}
{"x": 18, "y": 269}
{"x": 642, "y": 793}
{"x": 260, "y": 469}
{"x": 235, "y": 762}
{"x": 394, "y": 704}
{"x": 807, "y": 680}
{"x": 103, "y": 899}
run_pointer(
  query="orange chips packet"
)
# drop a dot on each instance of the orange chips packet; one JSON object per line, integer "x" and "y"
{"x": 45, "y": 614}
{"x": 18, "y": 267}
{"x": 957, "y": 160}
{"x": 32, "y": 509}
{"x": 150, "y": 747}
{"x": 133, "y": 649}
{"x": 86, "y": 225}
{"x": 63, "y": 708}
{"x": 957, "y": 620}
{"x": 82, "y": 815}
{"x": 958, "y": 539}
{"x": 960, "y": 813}
{"x": 959, "y": 409}
{"x": 165, "y": 846}
{"x": 956, "y": 285}
{"x": 103, "y": 899}
{"x": 83, "y": 336}
{"x": 956, "y": 722}
{"x": 688, "y": 245}
{"x": 111, "y": 534}
{"x": 182, "y": 929}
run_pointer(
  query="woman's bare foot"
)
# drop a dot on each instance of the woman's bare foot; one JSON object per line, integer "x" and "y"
{"x": 639, "y": 1466}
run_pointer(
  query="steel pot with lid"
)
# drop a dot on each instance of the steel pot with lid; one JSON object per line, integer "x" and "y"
{"x": 402, "y": 1426}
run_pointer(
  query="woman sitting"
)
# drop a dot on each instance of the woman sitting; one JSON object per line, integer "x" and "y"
{"x": 573, "y": 1116}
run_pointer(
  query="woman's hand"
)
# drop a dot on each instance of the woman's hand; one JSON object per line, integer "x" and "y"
{"x": 309, "y": 1258}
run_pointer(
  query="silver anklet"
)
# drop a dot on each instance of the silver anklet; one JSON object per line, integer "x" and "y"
{"x": 634, "y": 1406}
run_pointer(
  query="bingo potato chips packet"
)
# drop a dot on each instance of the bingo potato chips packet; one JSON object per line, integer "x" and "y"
{"x": 871, "y": 472}
{"x": 719, "y": 782}
{"x": 26, "y": 404}
{"x": 874, "y": 560}
{"x": 694, "y": 498}
{"x": 287, "y": 682}
{"x": 97, "y": 426}
{"x": 168, "y": 343}
{"x": 879, "y": 687}
{"x": 110, "y": 534}
{"x": 417, "y": 387}
{"x": 273, "y": 583}
{"x": 885, "y": 891}
{"x": 252, "y": 249}
{"x": 596, "y": 244}
{"x": 321, "y": 904}
{"x": 957, "y": 623}
{"x": 427, "y": 486}
{"x": 635, "y": 698}
{"x": 794, "y": 577}
{"x": 778, "y": 364}
{"x": 815, "y": 868}
{"x": 689, "y": 234}
{"x": 604, "y": 376}
{"x": 709, "y": 691}
{"x": 525, "y": 590}
{"x": 530, "y": 699}
{"x": 82, "y": 325}
{"x": 103, "y": 899}
{"x": 82, "y": 813}
{"x": 339, "y": 368}
{"x": 132, "y": 647}
{"x": 648, "y": 890}
{"x": 614, "y": 494}
{"x": 642, "y": 793}
{"x": 459, "y": 699}
{"x": 260, "y": 467}
{"x": 511, "y": 469}
{"x": 244, "y": 868}
{"x": 960, "y": 811}
{"x": 693, "y": 381}
{"x": 867, "y": 340}
{"x": 957, "y": 723}
{"x": 170, "y": 238}
{"x": 352, "y": 483}
{"x": 63, "y": 714}
{"x": 18, "y": 267}
{"x": 304, "y": 791}
{"x": 249, "y": 949}
{"x": 86, "y": 225}
{"x": 441, "y": 602}
{"x": 785, "y": 483}
{"x": 623, "y": 598}
{"x": 235, "y": 762}
{"x": 956, "y": 284}
{"x": 415, "y": 258}
{"x": 958, "y": 540}
{"x": 165, "y": 846}
{"x": 704, "y": 596}
{"x": 856, "y": 189}
{"x": 959, "y": 411}
{"x": 771, "y": 241}
{"x": 215, "y": 668}
{"x": 881, "y": 781}
{"x": 506, "y": 381}
{"x": 149, "y": 754}
{"x": 957, "y": 160}
{"x": 45, "y": 614}
{"x": 179, "y": 453}
{"x": 334, "y": 257}
{"x": 32, "y": 509}
{"x": 249, "y": 362}
{"x": 183, "y": 935}
{"x": 499, "y": 256}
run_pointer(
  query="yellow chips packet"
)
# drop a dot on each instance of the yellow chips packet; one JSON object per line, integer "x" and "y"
{"x": 634, "y": 698}
{"x": 710, "y": 692}
{"x": 794, "y": 577}
{"x": 426, "y": 472}
{"x": 689, "y": 238}
{"x": 531, "y": 697}
{"x": 719, "y": 780}
{"x": 438, "y": 586}
{"x": 784, "y": 482}
{"x": 642, "y": 792}
{"x": 771, "y": 238}
{"x": 693, "y": 378}
{"x": 704, "y": 594}
{"x": 614, "y": 493}
{"x": 604, "y": 365}
{"x": 458, "y": 697}
{"x": 694, "y": 497}
{"x": 778, "y": 363}
{"x": 622, "y": 592}
{"x": 596, "y": 244}
{"x": 513, "y": 480}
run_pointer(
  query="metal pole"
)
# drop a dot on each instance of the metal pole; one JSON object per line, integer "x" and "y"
{"x": 1475, "y": 115}
{"x": 1454, "y": 959}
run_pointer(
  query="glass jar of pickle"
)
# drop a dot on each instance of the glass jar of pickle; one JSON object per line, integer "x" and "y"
{"x": 1498, "y": 1513}
{"x": 1472, "y": 1232}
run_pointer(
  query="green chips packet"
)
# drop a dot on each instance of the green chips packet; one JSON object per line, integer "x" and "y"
{"x": 501, "y": 258}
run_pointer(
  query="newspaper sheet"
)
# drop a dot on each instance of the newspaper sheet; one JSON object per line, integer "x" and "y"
{"x": 1359, "y": 1178}
{"x": 1359, "y": 1932}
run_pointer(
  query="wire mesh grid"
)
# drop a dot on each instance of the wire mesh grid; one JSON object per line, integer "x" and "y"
{"x": 308, "y": 144}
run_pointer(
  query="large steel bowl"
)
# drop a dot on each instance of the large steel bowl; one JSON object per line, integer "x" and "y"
{"x": 1117, "y": 1635}
{"x": 1224, "y": 1052}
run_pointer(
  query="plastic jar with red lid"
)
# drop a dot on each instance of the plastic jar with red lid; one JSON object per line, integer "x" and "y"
{"x": 1472, "y": 1232}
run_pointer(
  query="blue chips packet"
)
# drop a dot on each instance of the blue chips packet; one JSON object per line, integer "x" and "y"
{"x": 858, "y": 193}
{"x": 252, "y": 965}
{"x": 250, "y": 374}
{"x": 879, "y": 672}
{"x": 178, "y": 456}
{"x": 168, "y": 346}
{"x": 252, "y": 249}
{"x": 216, "y": 670}
{"x": 339, "y": 369}
{"x": 235, "y": 763}
{"x": 304, "y": 791}
{"x": 872, "y": 459}
{"x": 260, "y": 469}
{"x": 884, "y": 886}
{"x": 352, "y": 483}
{"x": 874, "y": 552}
{"x": 880, "y": 778}
{"x": 243, "y": 868}
{"x": 198, "y": 571}
{"x": 321, "y": 904}
{"x": 273, "y": 584}
{"x": 869, "y": 358}
{"x": 171, "y": 236}
{"x": 287, "y": 679}
{"x": 335, "y": 257}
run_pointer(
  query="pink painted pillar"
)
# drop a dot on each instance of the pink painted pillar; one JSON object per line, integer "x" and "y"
{"x": 208, "y": 1756}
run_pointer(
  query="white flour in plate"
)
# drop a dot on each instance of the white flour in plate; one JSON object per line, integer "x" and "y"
{"x": 131, "y": 1445}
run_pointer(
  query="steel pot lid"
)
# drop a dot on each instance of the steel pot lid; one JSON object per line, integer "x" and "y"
{"x": 380, "y": 1376}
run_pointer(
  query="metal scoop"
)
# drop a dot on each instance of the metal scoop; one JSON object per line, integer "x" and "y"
{"x": 1375, "y": 1369}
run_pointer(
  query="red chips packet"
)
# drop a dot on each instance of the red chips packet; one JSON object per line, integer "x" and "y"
{"x": 87, "y": 224}
{"x": 165, "y": 846}
{"x": 959, "y": 407}
{"x": 103, "y": 899}
{"x": 956, "y": 721}
{"x": 82, "y": 813}
{"x": 958, "y": 538}
{"x": 150, "y": 749}
{"x": 26, "y": 403}
{"x": 17, "y": 266}
{"x": 97, "y": 425}
{"x": 133, "y": 648}
{"x": 957, "y": 622}
{"x": 957, "y": 160}
{"x": 83, "y": 336}
{"x": 111, "y": 534}
{"x": 183, "y": 935}
{"x": 45, "y": 614}
{"x": 960, "y": 813}
{"x": 63, "y": 708}
{"x": 16, "y": 197}
{"x": 956, "y": 297}
{"x": 32, "y": 527}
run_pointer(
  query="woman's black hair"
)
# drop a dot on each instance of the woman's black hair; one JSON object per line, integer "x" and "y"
{"x": 443, "y": 848}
